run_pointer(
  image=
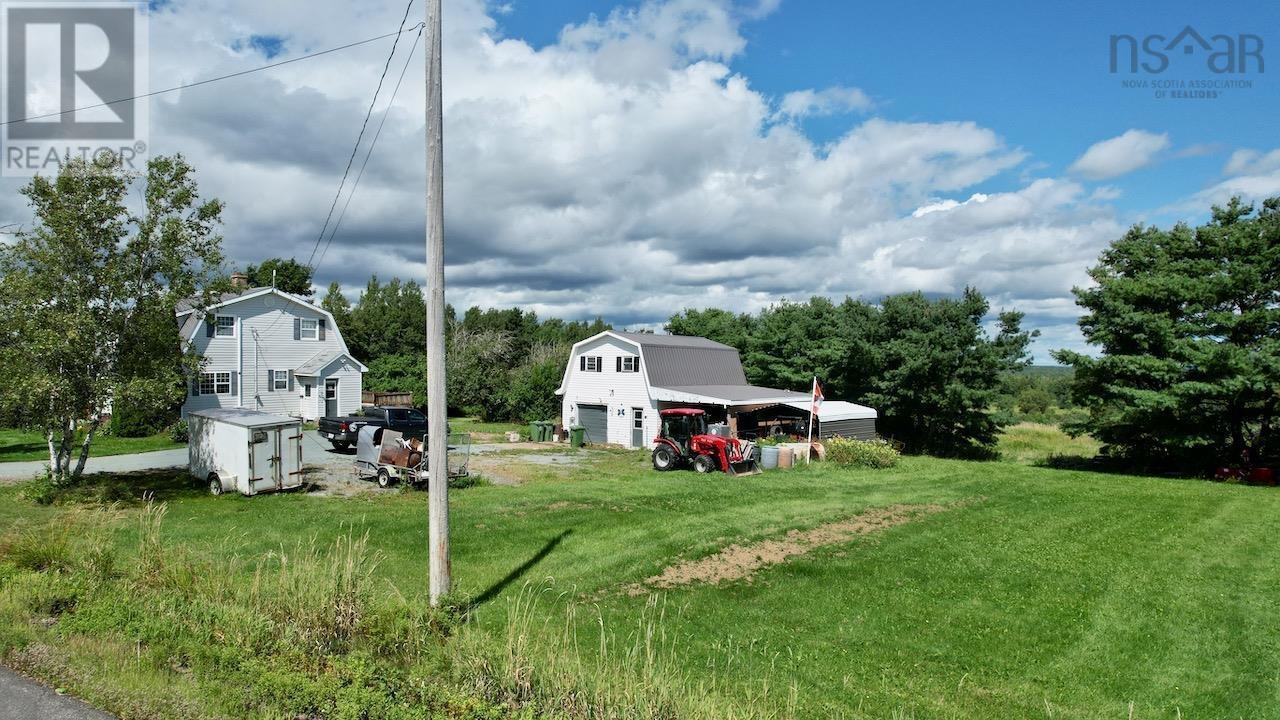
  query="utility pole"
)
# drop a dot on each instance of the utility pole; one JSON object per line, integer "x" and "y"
{"x": 437, "y": 416}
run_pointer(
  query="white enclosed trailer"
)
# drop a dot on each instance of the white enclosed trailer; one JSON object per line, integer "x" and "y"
{"x": 245, "y": 450}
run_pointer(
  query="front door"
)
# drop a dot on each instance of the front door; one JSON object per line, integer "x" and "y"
{"x": 331, "y": 397}
{"x": 307, "y": 401}
{"x": 637, "y": 427}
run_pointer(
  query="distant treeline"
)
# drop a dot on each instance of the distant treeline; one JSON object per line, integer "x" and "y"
{"x": 927, "y": 365}
{"x": 501, "y": 364}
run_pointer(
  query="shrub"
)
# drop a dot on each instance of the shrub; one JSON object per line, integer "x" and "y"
{"x": 179, "y": 432}
{"x": 41, "y": 490}
{"x": 862, "y": 453}
{"x": 129, "y": 419}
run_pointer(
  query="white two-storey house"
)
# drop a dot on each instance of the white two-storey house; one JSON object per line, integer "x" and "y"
{"x": 268, "y": 350}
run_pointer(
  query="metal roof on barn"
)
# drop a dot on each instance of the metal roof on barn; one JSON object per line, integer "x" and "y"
{"x": 679, "y": 360}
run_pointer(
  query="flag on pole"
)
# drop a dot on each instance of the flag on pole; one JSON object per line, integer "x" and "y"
{"x": 817, "y": 396}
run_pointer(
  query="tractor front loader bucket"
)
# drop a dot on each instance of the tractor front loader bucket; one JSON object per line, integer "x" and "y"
{"x": 749, "y": 464}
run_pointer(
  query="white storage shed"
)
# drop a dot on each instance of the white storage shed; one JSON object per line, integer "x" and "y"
{"x": 245, "y": 450}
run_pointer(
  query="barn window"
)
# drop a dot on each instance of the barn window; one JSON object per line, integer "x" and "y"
{"x": 629, "y": 364}
{"x": 308, "y": 330}
{"x": 226, "y": 326}
{"x": 590, "y": 363}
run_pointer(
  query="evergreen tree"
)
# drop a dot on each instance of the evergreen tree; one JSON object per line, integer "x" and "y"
{"x": 1188, "y": 324}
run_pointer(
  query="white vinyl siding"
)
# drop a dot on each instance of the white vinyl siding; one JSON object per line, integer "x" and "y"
{"x": 618, "y": 392}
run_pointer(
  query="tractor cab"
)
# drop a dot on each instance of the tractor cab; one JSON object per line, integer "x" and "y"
{"x": 682, "y": 424}
{"x": 684, "y": 440}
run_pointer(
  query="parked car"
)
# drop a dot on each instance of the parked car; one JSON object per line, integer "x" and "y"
{"x": 341, "y": 432}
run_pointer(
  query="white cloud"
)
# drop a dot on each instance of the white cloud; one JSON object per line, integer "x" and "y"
{"x": 1252, "y": 162}
{"x": 1120, "y": 155}
{"x": 624, "y": 170}
{"x": 828, "y": 101}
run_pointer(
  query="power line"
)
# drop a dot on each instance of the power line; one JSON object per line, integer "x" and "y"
{"x": 198, "y": 83}
{"x": 377, "y": 133}
{"x": 356, "y": 148}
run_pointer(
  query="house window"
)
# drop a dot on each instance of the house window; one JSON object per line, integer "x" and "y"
{"x": 215, "y": 383}
{"x": 308, "y": 330}
{"x": 590, "y": 363}
{"x": 306, "y": 389}
{"x": 226, "y": 326}
{"x": 629, "y": 364}
{"x": 280, "y": 380}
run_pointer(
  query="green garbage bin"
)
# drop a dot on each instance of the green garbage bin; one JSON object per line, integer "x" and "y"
{"x": 548, "y": 430}
{"x": 541, "y": 428}
{"x": 577, "y": 436}
{"x": 534, "y": 430}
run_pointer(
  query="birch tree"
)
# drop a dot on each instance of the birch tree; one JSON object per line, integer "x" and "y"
{"x": 95, "y": 279}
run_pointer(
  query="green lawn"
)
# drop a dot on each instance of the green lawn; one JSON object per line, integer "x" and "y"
{"x": 25, "y": 445}
{"x": 1033, "y": 592}
{"x": 476, "y": 425}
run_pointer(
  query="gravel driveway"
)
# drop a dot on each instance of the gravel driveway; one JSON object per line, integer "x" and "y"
{"x": 316, "y": 451}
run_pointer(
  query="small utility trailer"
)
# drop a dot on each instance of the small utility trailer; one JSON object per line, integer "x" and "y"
{"x": 384, "y": 455}
{"x": 245, "y": 450}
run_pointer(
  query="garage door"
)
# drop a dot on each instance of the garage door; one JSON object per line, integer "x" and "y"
{"x": 595, "y": 418}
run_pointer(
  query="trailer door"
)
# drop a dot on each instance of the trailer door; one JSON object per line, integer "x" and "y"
{"x": 264, "y": 454}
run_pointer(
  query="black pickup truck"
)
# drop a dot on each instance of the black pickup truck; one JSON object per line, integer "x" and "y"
{"x": 341, "y": 432}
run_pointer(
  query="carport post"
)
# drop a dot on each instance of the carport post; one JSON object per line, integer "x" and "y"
{"x": 437, "y": 419}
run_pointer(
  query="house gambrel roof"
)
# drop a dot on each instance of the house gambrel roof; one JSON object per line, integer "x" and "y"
{"x": 190, "y": 319}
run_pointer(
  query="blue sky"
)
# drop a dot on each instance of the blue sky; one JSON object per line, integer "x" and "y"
{"x": 632, "y": 159}
{"x": 1037, "y": 72}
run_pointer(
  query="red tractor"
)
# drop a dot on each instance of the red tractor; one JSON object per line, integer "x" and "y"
{"x": 684, "y": 439}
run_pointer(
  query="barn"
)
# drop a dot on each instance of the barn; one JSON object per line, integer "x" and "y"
{"x": 616, "y": 382}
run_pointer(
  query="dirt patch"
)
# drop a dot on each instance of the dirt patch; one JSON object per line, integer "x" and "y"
{"x": 338, "y": 481}
{"x": 738, "y": 561}
{"x": 518, "y": 468}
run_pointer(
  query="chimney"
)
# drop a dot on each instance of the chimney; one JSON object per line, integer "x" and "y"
{"x": 239, "y": 281}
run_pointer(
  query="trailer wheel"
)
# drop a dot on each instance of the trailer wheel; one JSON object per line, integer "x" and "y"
{"x": 384, "y": 478}
{"x": 664, "y": 458}
{"x": 340, "y": 445}
{"x": 704, "y": 464}
{"x": 215, "y": 484}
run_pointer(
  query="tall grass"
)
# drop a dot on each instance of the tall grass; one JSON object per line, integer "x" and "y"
{"x": 304, "y": 631}
{"x": 546, "y": 662}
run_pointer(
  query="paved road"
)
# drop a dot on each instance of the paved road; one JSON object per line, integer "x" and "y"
{"x": 177, "y": 457}
{"x": 315, "y": 450}
{"x": 25, "y": 699}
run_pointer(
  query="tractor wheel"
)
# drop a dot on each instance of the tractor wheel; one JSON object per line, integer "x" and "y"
{"x": 664, "y": 458}
{"x": 704, "y": 464}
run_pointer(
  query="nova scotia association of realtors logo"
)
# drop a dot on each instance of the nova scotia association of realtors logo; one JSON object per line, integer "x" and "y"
{"x": 1187, "y": 65}
{"x": 71, "y": 73}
